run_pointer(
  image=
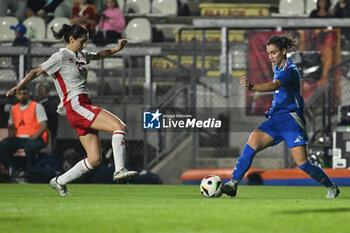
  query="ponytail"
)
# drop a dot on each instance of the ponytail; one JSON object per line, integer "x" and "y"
{"x": 284, "y": 41}
{"x": 74, "y": 30}
{"x": 59, "y": 35}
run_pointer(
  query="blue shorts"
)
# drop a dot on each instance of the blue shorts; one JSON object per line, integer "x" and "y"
{"x": 290, "y": 127}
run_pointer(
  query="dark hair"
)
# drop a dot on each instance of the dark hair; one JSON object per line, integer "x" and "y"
{"x": 74, "y": 30}
{"x": 282, "y": 41}
{"x": 24, "y": 88}
{"x": 43, "y": 86}
{"x": 294, "y": 34}
{"x": 327, "y": 6}
{"x": 116, "y": 5}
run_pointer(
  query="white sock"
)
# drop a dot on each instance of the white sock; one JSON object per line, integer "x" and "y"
{"x": 79, "y": 169}
{"x": 118, "y": 146}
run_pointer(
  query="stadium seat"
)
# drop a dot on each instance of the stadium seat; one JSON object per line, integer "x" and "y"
{"x": 310, "y": 6}
{"x": 37, "y": 45}
{"x": 59, "y": 45}
{"x": 6, "y": 33}
{"x": 138, "y": 6}
{"x": 112, "y": 63}
{"x": 93, "y": 83}
{"x": 56, "y": 23}
{"x": 95, "y": 64}
{"x": 36, "y": 61}
{"x": 118, "y": 62}
{"x": 36, "y": 28}
{"x": 138, "y": 30}
{"x": 291, "y": 7}
{"x": 164, "y": 7}
{"x": 92, "y": 77}
{"x": 121, "y": 5}
{"x": 108, "y": 63}
{"x": 8, "y": 75}
{"x": 6, "y": 62}
{"x": 90, "y": 46}
{"x": 64, "y": 9}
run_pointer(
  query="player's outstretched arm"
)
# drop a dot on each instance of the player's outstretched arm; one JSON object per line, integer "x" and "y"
{"x": 108, "y": 52}
{"x": 32, "y": 75}
{"x": 271, "y": 86}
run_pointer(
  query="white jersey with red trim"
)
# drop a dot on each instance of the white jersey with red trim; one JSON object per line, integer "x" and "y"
{"x": 69, "y": 72}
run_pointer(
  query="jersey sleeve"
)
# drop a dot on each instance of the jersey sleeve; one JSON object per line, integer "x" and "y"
{"x": 40, "y": 113}
{"x": 285, "y": 76}
{"x": 53, "y": 64}
{"x": 88, "y": 55}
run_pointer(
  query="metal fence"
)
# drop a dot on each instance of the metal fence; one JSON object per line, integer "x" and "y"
{"x": 197, "y": 76}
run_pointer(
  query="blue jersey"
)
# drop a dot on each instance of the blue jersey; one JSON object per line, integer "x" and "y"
{"x": 287, "y": 98}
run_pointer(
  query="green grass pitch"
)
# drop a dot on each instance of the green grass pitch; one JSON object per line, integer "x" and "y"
{"x": 170, "y": 208}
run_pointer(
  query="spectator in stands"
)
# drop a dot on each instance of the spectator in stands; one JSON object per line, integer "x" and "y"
{"x": 41, "y": 7}
{"x": 86, "y": 15}
{"x": 50, "y": 103}
{"x": 342, "y": 9}
{"x": 111, "y": 25}
{"x": 16, "y": 6}
{"x": 20, "y": 39}
{"x": 27, "y": 129}
{"x": 322, "y": 10}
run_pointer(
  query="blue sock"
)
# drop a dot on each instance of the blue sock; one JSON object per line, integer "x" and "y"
{"x": 243, "y": 163}
{"x": 316, "y": 173}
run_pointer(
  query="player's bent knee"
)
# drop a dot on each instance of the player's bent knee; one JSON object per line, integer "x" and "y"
{"x": 95, "y": 162}
{"x": 122, "y": 127}
{"x": 119, "y": 126}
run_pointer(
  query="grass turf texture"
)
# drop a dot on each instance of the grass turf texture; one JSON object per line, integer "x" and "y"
{"x": 170, "y": 208}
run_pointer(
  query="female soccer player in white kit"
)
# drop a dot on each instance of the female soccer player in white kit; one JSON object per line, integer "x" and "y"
{"x": 68, "y": 68}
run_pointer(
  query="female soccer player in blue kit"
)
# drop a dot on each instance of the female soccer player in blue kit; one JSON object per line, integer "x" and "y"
{"x": 285, "y": 120}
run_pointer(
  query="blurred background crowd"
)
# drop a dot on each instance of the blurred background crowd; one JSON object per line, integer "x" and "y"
{"x": 182, "y": 55}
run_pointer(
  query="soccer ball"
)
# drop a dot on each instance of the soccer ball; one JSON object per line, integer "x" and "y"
{"x": 211, "y": 186}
